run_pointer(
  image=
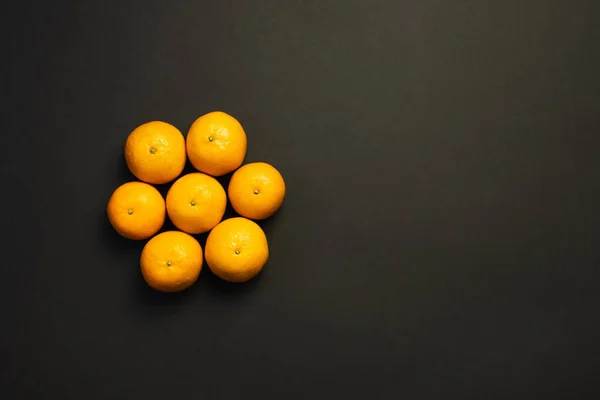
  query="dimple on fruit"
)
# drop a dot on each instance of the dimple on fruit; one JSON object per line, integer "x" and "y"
{"x": 196, "y": 203}
{"x": 216, "y": 143}
{"x": 171, "y": 261}
{"x": 136, "y": 210}
{"x": 236, "y": 250}
{"x": 155, "y": 152}
{"x": 256, "y": 190}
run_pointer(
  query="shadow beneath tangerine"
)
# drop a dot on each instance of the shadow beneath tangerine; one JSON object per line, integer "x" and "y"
{"x": 112, "y": 240}
{"x": 268, "y": 223}
{"x": 201, "y": 238}
{"x": 188, "y": 169}
{"x": 218, "y": 287}
{"x": 229, "y": 211}
{"x": 168, "y": 225}
{"x": 123, "y": 172}
{"x": 149, "y": 297}
{"x": 224, "y": 180}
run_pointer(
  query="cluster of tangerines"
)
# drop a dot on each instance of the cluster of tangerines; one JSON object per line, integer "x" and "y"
{"x": 236, "y": 249}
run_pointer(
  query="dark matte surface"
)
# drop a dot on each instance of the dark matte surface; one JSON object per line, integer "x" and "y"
{"x": 440, "y": 234}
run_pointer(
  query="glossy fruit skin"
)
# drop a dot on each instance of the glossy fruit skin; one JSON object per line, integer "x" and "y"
{"x": 155, "y": 152}
{"x": 236, "y": 250}
{"x": 216, "y": 143}
{"x": 196, "y": 203}
{"x": 256, "y": 190}
{"x": 171, "y": 261}
{"x": 136, "y": 210}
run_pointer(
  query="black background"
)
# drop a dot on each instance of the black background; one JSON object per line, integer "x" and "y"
{"x": 440, "y": 232}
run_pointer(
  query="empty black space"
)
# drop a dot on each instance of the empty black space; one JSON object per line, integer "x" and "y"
{"x": 440, "y": 237}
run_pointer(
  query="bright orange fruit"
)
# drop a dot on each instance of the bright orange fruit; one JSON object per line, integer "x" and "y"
{"x": 155, "y": 152}
{"x": 171, "y": 261}
{"x": 256, "y": 190}
{"x": 196, "y": 203}
{"x": 236, "y": 250}
{"x": 216, "y": 143}
{"x": 136, "y": 210}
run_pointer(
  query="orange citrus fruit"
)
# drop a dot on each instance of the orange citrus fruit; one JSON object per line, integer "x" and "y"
{"x": 236, "y": 250}
{"x": 256, "y": 190}
{"x": 136, "y": 210}
{"x": 155, "y": 152}
{"x": 196, "y": 203}
{"x": 216, "y": 143}
{"x": 171, "y": 261}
